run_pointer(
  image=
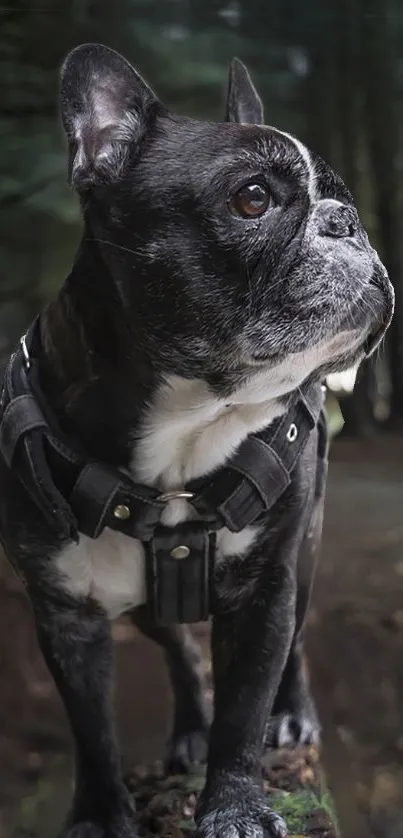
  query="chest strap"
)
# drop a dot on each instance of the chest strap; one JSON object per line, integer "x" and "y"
{"x": 78, "y": 495}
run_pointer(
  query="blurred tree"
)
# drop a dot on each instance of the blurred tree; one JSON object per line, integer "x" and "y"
{"x": 351, "y": 109}
{"x": 380, "y": 65}
{"x": 32, "y": 170}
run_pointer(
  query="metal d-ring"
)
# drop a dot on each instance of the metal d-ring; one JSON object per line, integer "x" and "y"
{"x": 178, "y": 495}
{"x": 292, "y": 432}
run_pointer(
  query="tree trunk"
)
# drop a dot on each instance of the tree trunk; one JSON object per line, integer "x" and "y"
{"x": 378, "y": 65}
{"x": 358, "y": 408}
{"x": 321, "y": 133}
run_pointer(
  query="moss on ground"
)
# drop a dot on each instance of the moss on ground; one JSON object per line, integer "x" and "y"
{"x": 292, "y": 780}
{"x": 166, "y": 803}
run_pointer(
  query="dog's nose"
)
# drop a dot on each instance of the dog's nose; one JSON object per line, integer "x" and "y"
{"x": 336, "y": 220}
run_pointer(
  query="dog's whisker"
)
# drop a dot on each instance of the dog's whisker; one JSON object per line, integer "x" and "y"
{"x": 112, "y": 244}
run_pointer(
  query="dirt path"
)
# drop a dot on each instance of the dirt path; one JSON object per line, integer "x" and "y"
{"x": 355, "y": 644}
{"x": 355, "y": 640}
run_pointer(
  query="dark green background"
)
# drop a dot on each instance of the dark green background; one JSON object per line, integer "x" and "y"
{"x": 332, "y": 72}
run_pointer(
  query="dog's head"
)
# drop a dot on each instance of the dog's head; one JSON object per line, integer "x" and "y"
{"x": 232, "y": 246}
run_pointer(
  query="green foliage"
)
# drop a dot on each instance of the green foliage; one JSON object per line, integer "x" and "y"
{"x": 182, "y": 49}
{"x": 302, "y": 808}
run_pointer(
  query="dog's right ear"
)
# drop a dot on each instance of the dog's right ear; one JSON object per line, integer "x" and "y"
{"x": 243, "y": 101}
{"x": 106, "y": 110}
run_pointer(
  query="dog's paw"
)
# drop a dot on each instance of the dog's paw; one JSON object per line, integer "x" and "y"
{"x": 186, "y": 750}
{"x": 119, "y": 823}
{"x": 248, "y": 818}
{"x": 287, "y": 730}
{"x": 87, "y": 829}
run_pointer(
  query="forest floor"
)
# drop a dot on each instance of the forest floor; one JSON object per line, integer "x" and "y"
{"x": 354, "y": 643}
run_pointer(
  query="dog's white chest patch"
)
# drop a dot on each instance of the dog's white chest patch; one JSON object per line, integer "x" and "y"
{"x": 110, "y": 569}
{"x": 187, "y": 432}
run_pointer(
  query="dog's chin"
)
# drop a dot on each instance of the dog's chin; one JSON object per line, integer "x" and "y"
{"x": 352, "y": 357}
{"x": 329, "y": 349}
{"x": 340, "y": 364}
{"x": 344, "y": 349}
{"x": 283, "y": 373}
{"x": 267, "y": 373}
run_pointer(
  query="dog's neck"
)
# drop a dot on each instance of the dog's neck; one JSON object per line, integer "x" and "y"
{"x": 121, "y": 403}
{"x": 187, "y": 432}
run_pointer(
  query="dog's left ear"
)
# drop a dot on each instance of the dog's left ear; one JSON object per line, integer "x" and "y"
{"x": 107, "y": 108}
{"x": 243, "y": 102}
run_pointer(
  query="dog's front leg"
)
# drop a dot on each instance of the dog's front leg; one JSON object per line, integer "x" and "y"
{"x": 188, "y": 743}
{"x": 75, "y": 640}
{"x": 294, "y": 720}
{"x": 250, "y": 648}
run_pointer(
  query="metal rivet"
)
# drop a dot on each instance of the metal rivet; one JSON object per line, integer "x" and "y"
{"x": 180, "y": 552}
{"x": 122, "y": 512}
{"x": 292, "y": 432}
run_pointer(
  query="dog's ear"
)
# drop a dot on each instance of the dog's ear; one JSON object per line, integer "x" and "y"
{"x": 106, "y": 109}
{"x": 243, "y": 102}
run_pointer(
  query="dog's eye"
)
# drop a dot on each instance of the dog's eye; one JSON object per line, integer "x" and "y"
{"x": 250, "y": 201}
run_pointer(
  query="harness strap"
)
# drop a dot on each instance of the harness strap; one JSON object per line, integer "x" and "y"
{"x": 260, "y": 471}
{"x": 322, "y": 462}
{"x": 103, "y": 498}
{"x": 24, "y": 433}
{"x": 21, "y": 415}
{"x": 234, "y": 496}
{"x": 78, "y": 495}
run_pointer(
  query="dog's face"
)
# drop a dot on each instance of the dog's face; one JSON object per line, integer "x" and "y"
{"x": 232, "y": 246}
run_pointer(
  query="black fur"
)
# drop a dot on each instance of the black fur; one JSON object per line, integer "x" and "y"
{"x": 168, "y": 281}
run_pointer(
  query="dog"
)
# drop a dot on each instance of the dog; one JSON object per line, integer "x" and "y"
{"x": 162, "y": 436}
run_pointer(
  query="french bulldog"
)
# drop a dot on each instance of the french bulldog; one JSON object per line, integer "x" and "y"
{"x": 221, "y": 267}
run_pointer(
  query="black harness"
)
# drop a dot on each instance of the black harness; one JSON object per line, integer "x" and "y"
{"x": 77, "y": 495}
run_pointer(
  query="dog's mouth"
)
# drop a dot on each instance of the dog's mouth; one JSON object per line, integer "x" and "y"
{"x": 363, "y": 340}
{"x": 370, "y": 344}
{"x": 340, "y": 345}
{"x": 263, "y": 358}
